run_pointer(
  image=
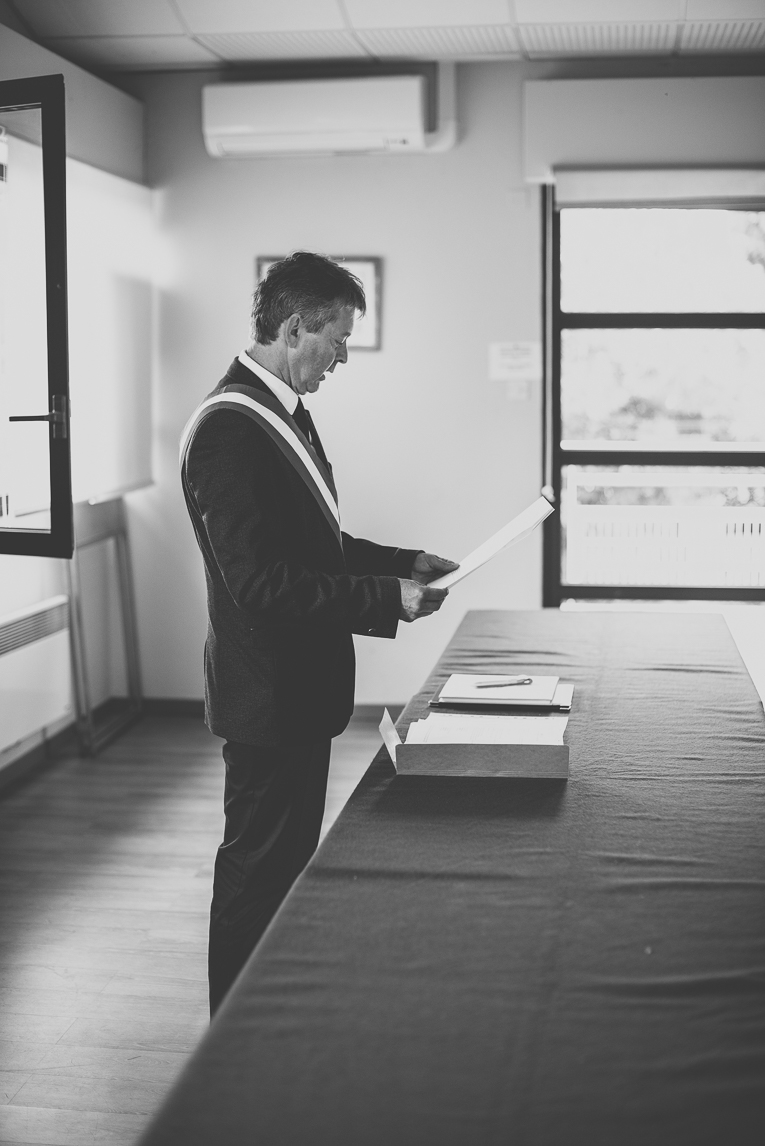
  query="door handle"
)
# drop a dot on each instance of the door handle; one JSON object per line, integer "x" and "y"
{"x": 57, "y": 416}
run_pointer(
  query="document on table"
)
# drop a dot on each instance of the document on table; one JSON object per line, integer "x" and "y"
{"x": 515, "y": 530}
{"x": 479, "y": 688}
{"x": 452, "y": 728}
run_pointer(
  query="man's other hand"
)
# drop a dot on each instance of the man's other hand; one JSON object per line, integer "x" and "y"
{"x": 419, "y": 600}
{"x": 427, "y": 567}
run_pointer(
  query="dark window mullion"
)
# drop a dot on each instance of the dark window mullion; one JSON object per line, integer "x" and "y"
{"x": 662, "y": 592}
{"x": 47, "y": 94}
{"x": 702, "y": 321}
{"x": 617, "y": 457}
{"x": 552, "y": 532}
{"x": 555, "y": 590}
{"x": 54, "y": 173}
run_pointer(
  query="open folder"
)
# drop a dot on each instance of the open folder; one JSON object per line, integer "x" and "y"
{"x": 515, "y": 530}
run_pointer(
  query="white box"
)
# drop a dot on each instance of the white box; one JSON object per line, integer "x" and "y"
{"x": 521, "y": 761}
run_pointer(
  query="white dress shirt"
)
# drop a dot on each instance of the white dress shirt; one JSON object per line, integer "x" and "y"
{"x": 287, "y": 396}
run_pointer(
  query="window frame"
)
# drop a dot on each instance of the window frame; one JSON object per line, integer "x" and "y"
{"x": 47, "y": 93}
{"x": 555, "y": 457}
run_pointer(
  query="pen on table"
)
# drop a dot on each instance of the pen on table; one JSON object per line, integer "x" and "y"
{"x": 504, "y": 683}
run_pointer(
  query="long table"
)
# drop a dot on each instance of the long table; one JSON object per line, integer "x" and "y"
{"x": 517, "y": 962}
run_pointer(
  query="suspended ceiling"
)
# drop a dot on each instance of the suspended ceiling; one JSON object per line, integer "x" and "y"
{"x": 162, "y": 34}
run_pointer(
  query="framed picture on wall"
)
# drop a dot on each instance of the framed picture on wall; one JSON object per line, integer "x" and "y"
{"x": 367, "y": 331}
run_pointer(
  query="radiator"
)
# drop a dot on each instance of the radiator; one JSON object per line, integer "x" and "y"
{"x": 35, "y": 670}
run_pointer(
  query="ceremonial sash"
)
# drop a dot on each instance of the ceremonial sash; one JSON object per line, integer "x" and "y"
{"x": 270, "y": 415}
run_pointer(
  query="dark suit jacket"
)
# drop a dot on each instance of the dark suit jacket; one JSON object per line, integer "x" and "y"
{"x": 283, "y": 598}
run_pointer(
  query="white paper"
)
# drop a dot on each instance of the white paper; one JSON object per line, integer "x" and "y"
{"x": 391, "y": 738}
{"x": 453, "y": 728}
{"x": 515, "y": 530}
{"x": 475, "y": 688}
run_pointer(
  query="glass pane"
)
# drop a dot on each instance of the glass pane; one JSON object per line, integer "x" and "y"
{"x": 651, "y": 525}
{"x": 24, "y": 452}
{"x": 653, "y": 259}
{"x": 666, "y": 388}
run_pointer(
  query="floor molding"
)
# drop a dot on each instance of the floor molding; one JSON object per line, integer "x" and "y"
{"x": 43, "y": 753}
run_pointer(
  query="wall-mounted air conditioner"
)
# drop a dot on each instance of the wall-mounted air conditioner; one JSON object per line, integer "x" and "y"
{"x": 327, "y": 116}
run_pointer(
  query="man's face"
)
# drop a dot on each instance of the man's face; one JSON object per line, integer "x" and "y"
{"x": 312, "y": 356}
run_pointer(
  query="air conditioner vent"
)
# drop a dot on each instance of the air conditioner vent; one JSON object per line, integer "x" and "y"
{"x": 724, "y": 36}
{"x": 440, "y": 43}
{"x": 597, "y": 39}
{"x": 282, "y": 45}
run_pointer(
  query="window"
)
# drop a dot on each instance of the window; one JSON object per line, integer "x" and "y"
{"x": 656, "y": 431}
{"x": 35, "y": 483}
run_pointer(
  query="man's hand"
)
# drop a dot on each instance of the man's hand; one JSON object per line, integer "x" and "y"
{"x": 419, "y": 600}
{"x": 427, "y": 567}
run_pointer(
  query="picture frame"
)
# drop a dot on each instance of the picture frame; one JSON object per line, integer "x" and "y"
{"x": 367, "y": 331}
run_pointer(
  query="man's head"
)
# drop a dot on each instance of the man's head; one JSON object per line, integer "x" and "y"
{"x": 302, "y": 315}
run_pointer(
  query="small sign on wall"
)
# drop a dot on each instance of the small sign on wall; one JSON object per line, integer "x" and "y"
{"x": 518, "y": 364}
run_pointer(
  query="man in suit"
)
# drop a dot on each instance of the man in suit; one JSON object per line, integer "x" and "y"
{"x": 286, "y": 590}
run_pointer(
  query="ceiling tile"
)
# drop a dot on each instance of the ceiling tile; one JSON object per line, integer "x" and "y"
{"x": 236, "y": 16}
{"x": 99, "y": 17}
{"x": 599, "y": 11}
{"x": 284, "y": 46}
{"x": 150, "y": 33}
{"x": 597, "y": 39}
{"x": 426, "y": 13}
{"x": 440, "y": 43}
{"x": 132, "y": 52}
{"x": 724, "y": 36}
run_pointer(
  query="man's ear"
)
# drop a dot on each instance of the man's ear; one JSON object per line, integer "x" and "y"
{"x": 292, "y": 327}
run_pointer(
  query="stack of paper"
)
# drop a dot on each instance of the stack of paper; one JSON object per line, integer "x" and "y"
{"x": 466, "y": 744}
{"x": 439, "y": 728}
{"x": 476, "y": 690}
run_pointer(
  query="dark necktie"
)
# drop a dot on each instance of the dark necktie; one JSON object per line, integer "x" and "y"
{"x": 305, "y": 424}
{"x": 303, "y": 420}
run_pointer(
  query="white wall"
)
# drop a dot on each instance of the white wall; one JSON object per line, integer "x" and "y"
{"x": 671, "y": 122}
{"x": 114, "y": 256}
{"x": 427, "y": 452}
{"x": 104, "y": 126}
{"x": 105, "y": 130}
{"x": 114, "y": 259}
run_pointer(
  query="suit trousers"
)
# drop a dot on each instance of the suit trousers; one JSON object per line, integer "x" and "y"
{"x": 274, "y": 804}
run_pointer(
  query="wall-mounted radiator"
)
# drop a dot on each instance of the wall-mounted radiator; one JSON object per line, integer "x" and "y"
{"x": 35, "y": 671}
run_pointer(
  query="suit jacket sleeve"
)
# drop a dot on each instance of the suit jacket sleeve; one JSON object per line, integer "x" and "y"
{"x": 385, "y": 560}
{"x": 234, "y": 480}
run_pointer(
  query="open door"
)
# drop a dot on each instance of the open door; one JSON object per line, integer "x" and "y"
{"x": 35, "y": 469}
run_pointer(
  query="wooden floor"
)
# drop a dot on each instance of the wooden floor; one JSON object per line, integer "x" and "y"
{"x": 105, "y": 877}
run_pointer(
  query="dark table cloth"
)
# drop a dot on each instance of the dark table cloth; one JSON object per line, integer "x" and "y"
{"x": 518, "y": 962}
